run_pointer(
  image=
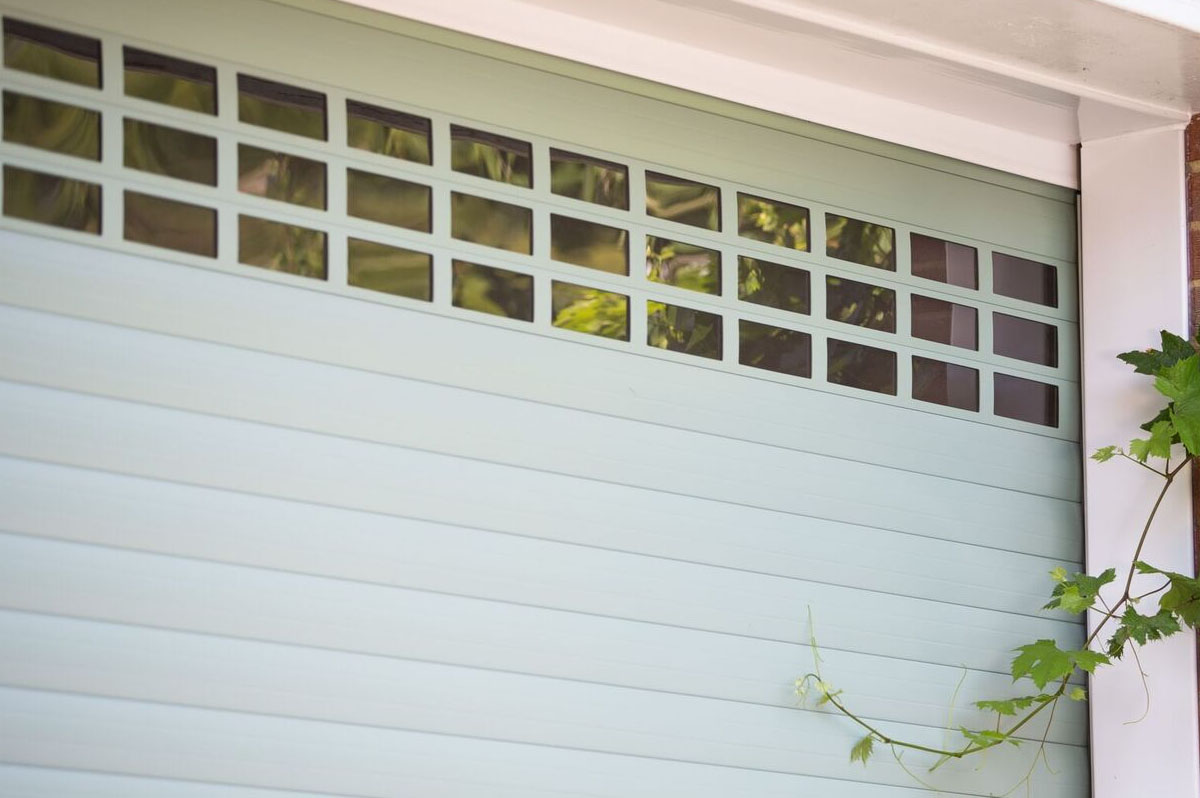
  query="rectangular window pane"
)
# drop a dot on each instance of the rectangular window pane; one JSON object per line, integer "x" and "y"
{"x": 53, "y": 126}
{"x": 860, "y": 242}
{"x": 860, "y": 304}
{"x": 388, "y": 200}
{"x": 773, "y": 222}
{"x": 387, "y": 132}
{"x": 590, "y": 310}
{"x": 170, "y": 224}
{"x": 170, "y": 151}
{"x": 170, "y": 81}
{"x": 773, "y": 285}
{"x": 279, "y": 176}
{"x": 1024, "y": 279}
{"x": 500, "y": 158}
{"x": 390, "y": 270}
{"x": 680, "y": 329}
{"x": 589, "y": 179}
{"x": 491, "y": 223}
{"x": 945, "y": 322}
{"x": 944, "y": 261}
{"x": 54, "y": 53}
{"x": 860, "y": 366}
{"x": 1026, "y": 400}
{"x": 596, "y": 246}
{"x": 50, "y": 199}
{"x": 774, "y": 348}
{"x": 489, "y": 289}
{"x": 281, "y": 107}
{"x": 681, "y": 200}
{"x": 688, "y": 266}
{"x": 1024, "y": 339}
{"x": 945, "y": 383}
{"x": 281, "y": 247}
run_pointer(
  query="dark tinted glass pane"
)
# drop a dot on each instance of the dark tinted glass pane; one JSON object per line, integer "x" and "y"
{"x": 774, "y": 348}
{"x": 1024, "y": 339}
{"x": 945, "y": 322}
{"x": 773, "y": 285}
{"x": 859, "y": 366}
{"x": 170, "y": 151}
{"x": 860, "y": 304}
{"x": 945, "y": 383}
{"x": 390, "y": 270}
{"x": 773, "y": 221}
{"x": 281, "y": 107}
{"x": 388, "y": 200}
{"x": 279, "y": 176}
{"x": 685, "y": 265}
{"x": 488, "y": 289}
{"x": 684, "y": 201}
{"x": 170, "y": 224}
{"x": 50, "y": 125}
{"x": 50, "y": 199}
{"x": 683, "y": 330}
{"x": 590, "y": 310}
{"x": 500, "y": 158}
{"x": 50, "y": 52}
{"x": 171, "y": 81}
{"x": 596, "y": 246}
{"x": 944, "y": 261}
{"x": 860, "y": 242}
{"x": 589, "y": 179}
{"x": 281, "y": 247}
{"x": 388, "y": 132}
{"x": 491, "y": 223}
{"x": 1024, "y": 279}
{"x": 1026, "y": 400}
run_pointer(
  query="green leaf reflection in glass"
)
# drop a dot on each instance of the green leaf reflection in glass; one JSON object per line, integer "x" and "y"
{"x": 773, "y": 222}
{"x": 773, "y": 348}
{"x": 583, "y": 177}
{"x": 388, "y": 200}
{"x": 50, "y": 125}
{"x": 860, "y": 304}
{"x": 589, "y": 244}
{"x": 388, "y": 132}
{"x": 51, "y": 199}
{"x": 681, "y": 200}
{"x": 590, "y": 310}
{"x": 489, "y": 155}
{"x": 681, "y": 329}
{"x": 859, "y": 366}
{"x": 491, "y": 223}
{"x": 773, "y": 285}
{"x": 280, "y": 176}
{"x": 50, "y": 52}
{"x": 170, "y": 224}
{"x": 687, "y": 266}
{"x": 281, "y": 107}
{"x": 281, "y": 247}
{"x": 390, "y": 270}
{"x": 489, "y": 289}
{"x": 860, "y": 242}
{"x": 170, "y": 151}
{"x": 170, "y": 81}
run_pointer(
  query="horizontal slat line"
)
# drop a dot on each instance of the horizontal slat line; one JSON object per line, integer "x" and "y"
{"x": 47, "y": 776}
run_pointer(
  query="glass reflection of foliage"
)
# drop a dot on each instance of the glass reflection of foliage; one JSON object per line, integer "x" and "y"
{"x": 687, "y": 266}
{"x": 773, "y": 222}
{"x": 170, "y": 81}
{"x": 489, "y": 289}
{"x": 50, "y": 125}
{"x": 1025, "y": 400}
{"x": 944, "y": 322}
{"x": 595, "y": 246}
{"x": 774, "y": 348}
{"x": 773, "y": 285}
{"x": 680, "y": 329}
{"x": 170, "y": 151}
{"x": 279, "y": 176}
{"x": 946, "y": 384}
{"x": 390, "y": 270}
{"x": 388, "y": 132}
{"x": 583, "y": 177}
{"x": 281, "y": 107}
{"x": 388, "y": 200}
{"x": 50, "y": 199}
{"x": 859, "y": 366}
{"x": 1024, "y": 339}
{"x": 281, "y": 247}
{"x": 590, "y": 310}
{"x": 1024, "y": 279}
{"x": 491, "y": 223}
{"x": 944, "y": 261}
{"x": 860, "y": 304}
{"x": 499, "y": 158}
{"x": 52, "y": 53}
{"x": 860, "y": 242}
{"x": 170, "y": 224}
{"x": 684, "y": 201}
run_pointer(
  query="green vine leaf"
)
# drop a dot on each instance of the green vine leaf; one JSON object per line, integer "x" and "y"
{"x": 1162, "y": 433}
{"x": 1141, "y": 628}
{"x": 1105, "y": 453}
{"x": 1183, "y": 598}
{"x": 1045, "y": 662}
{"x": 1078, "y": 594}
{"x": 1181, "y": 384}
{"x": 1011, "y": 706}
{"x": 1077, "y": 694}
{"x": 863, "y": 749}
{"x": 1152, "y": 361}
{"x": 988, "y": 738}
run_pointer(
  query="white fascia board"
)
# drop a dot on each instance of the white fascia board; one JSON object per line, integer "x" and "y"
{"x": 1178, "y": 13}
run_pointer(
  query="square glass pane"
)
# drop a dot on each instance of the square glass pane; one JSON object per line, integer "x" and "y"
{"x": 773, "y": 222}
{"x": 170, "y": 81}
{"x": 489, "y": 289}
{"x": 944, "y": 261}
{"x": 388, "y": 200}
{"x": 1024, "y": 279}
{"x": 860, "y": 304}
{"x": 170, "y": 224}
{"x": 589, "y": 244}
{"x": 583, "y": 177}
{"x": 945, "y": 322}
{"x": 50, "y": 125}
{"x": 681, "y": 200}
{"x": 499, "y": 158}
{"x": 491, "y": 223}
{"x": 51, "y": 52}
{"x": 590, "y": 310}
{"x": 1026, "y": 400}
{"x": 390, "y": 270}
{"x": 774, "y": 348}
{"x": 861, "y": 366}
{"x": 1024, "y": 339}
{"x": 279, "y": 176}
{"x": 281, "y": 107}
{"x": 860, "y": 242}
{"x": 387, "y": 132}
{"x": 51, "y": 199}
{"x": 170, "y": 151}
{"x": 281, "y": 247}
{"x": 680, "y": 329}
{"x": 946, "y": 384}
{"x": 773, "y": 285}
{"x": 687, "y": 266}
